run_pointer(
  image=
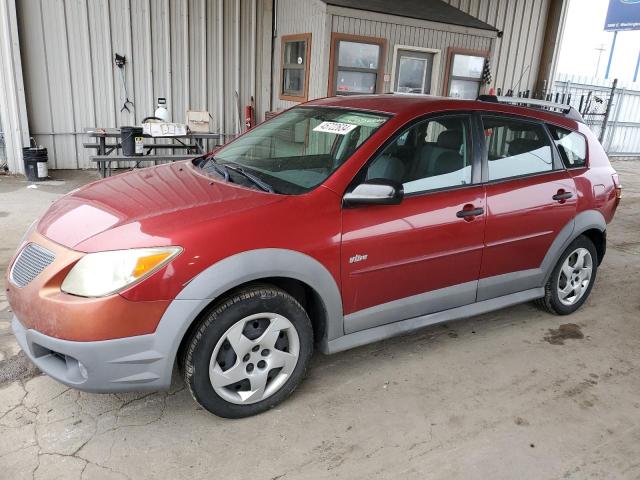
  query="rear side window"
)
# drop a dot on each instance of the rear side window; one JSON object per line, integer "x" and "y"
{"x": 516, "y": 148}
{"x": 571, "y": 145}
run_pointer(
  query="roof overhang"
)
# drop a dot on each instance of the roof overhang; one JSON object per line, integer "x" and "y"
{"x": 433, "y": 14}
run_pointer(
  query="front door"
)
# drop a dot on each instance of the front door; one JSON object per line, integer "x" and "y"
{"x": 412, "y": 71}
{"x": 530, "y": 198}
{"x": 423, "y": 255}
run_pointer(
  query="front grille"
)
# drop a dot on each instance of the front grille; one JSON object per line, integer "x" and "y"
{"x": 31, "y": 261}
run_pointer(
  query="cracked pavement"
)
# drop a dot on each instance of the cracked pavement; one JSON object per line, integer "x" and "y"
{"x": 487, "y": 397}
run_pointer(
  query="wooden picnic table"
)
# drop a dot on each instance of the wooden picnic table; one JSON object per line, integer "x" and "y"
{"x": 193, "y": 143}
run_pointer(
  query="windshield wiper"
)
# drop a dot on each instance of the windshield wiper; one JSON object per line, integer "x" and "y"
{"x": 220, "y": 168}
{"x": 255, "y": 180}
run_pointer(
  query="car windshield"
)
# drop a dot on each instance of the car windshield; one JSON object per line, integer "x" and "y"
{"x": 295, "y": 151}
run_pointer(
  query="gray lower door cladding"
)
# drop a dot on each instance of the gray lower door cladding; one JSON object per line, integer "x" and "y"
{"x": 402, "y": 327}
{"x": 409, "y": 307}
{"x": 500, "y": 285}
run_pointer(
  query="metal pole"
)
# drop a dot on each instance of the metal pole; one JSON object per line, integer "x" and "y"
{"x": 605, "y": 122}
{"x": 615, "y": 120}
{"x": 587, "y": 103}
{"x": 635, "y": 75}
{"x": 613, "y": 46}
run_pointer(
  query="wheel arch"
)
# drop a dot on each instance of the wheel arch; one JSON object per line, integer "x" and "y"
{"x": 599, "y": 239}
{"x": 303, "y": 293}
{"x": 590, "y": 223}
{"x": 300, "y": 275}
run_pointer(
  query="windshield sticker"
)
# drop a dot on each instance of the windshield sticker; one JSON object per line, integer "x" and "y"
{"x": 361, "y": 120}
{"x": 335, "y": 127}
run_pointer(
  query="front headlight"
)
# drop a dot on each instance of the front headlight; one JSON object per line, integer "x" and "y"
{"x": 105, "y": 273}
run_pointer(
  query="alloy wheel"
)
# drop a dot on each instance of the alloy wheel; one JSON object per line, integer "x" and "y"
{"x": 575, "y": 276}
{"x": 254, "y": 358}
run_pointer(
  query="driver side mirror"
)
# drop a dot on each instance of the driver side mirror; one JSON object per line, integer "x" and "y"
{"x": 377, "y": 191}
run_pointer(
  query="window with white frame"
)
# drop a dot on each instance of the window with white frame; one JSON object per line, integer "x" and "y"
{"x": 413, "y": 70}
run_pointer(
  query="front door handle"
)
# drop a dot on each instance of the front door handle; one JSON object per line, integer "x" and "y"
{"x": 469, "y": 213}
{"x": 561, "y": 196}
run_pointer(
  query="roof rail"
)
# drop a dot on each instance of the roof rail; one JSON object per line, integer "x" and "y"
{"x": 566, "y": 110}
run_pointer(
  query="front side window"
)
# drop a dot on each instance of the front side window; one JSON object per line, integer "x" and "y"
{"x": 516, "y": 148}
{"x": 465, "y": 75}
{"x": 357, "y": 65}
{"x": 295, "y": 67}
{"x": 571, "y": 145}
{"x": 297, "y": 150}
{"x": 431, "y": 155}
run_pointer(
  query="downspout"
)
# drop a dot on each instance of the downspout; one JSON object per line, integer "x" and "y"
{"x": 274, "y": 35}
{"x": 254, "y": 27}
{"x": 238, "y": 66}
{"x": 12, "y": 95}
{"x": 221, "y": 123}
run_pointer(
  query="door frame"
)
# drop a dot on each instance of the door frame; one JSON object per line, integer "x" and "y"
{"x": 558, "y": 164}
{"x": 477, "y": 149}
{"x": 435, "y": 68}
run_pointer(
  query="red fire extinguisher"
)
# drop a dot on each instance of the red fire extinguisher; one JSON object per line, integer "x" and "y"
{"x": 248, "y": 117}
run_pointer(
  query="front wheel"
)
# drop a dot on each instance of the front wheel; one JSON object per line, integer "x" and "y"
{"x": 572, "y": 279}
{"x": 250, "y": 352}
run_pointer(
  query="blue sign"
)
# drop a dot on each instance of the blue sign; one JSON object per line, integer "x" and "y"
{"x": 623, "y": 15}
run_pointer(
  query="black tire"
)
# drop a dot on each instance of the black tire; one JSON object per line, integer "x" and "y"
{"x": 240, "y": 304}
{"x": 551, "y": 300}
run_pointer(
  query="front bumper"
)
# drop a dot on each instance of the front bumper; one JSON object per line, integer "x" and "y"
{"x": 41, "y": 305}
{"x": 119, "y": 365}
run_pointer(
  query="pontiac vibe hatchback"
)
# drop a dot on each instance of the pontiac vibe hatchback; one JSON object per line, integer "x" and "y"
{"x": 337, "y": 223}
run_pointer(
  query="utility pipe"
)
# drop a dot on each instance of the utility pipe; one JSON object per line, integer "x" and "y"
{"x": 237, "y": 69}
{"x": 221, "y": 123}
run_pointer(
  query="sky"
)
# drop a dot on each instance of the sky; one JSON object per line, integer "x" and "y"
{"x": 584, "y": 35}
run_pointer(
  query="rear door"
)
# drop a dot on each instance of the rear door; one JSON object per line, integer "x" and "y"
{"x": 530, "y": 199}
{"x": 423, "y": 255}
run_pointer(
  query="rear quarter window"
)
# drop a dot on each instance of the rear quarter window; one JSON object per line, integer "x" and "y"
{"x": 571, "y": 145}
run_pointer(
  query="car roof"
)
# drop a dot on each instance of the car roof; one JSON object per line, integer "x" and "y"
{"x": 404, "y": 104}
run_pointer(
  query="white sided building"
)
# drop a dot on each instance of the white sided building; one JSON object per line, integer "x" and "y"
{"x": 58, "y": 76}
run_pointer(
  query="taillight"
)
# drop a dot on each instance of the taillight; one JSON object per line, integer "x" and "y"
{"x": 617, "y": 185}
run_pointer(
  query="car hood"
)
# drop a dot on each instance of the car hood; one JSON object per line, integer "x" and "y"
{"x": 146, "y": 207}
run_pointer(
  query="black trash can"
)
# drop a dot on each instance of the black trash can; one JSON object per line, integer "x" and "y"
{"x": 35, "y": 164}
{"x": 131, "y": 141}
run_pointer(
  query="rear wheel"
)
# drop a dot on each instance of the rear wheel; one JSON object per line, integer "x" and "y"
{"x": 250, "y": 352}
{"x": 572, "y": 279}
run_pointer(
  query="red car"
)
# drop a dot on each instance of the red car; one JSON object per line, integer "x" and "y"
{"x": 339, "y": 222}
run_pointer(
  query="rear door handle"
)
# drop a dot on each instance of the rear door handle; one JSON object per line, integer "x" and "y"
{"x": 561, "y": 196}
{"x": 473, "y": 212}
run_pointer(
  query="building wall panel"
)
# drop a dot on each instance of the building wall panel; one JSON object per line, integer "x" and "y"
{"x": 35, "y": 74}
{"x": 295, "y": 17}
{"x": 516, "y": 56}
{"x": 398, "y": 33}
{"x": 172, "y": 49}
{"x": 79, "y": 46}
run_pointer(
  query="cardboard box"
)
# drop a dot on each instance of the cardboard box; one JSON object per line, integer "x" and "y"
{"x": 198, "y": 121}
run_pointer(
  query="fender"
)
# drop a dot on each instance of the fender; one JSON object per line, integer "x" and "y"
{"x": 587, "y": 220}
{"x": 241, "y": 268}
